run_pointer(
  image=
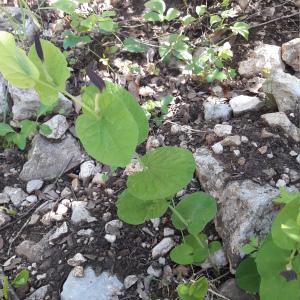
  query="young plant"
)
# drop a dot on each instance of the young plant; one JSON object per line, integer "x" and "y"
{"x": 210, "y": 64}
{"x": 111, "y": 126}
{"x": 158, "y": 109}
{"x": 157, "y": 12}
{"x": 273, "y": 269}
{"x": 193, "y": 291}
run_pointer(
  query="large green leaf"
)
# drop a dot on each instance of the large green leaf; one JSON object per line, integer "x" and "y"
{"x": 136, "y": 211}
{"x": 247, "y": 276}
{"x": 54, "y": 71}
{"x": 158, "y": 6}
{"x": 193, "y": 291}
{"x": 285, "y": 230}
{"x": 112, "y": 136}
{"x": 197, "y": 210}
{"x": 15, "y": 66}
{"x": 114, "y": 92}
{"x": 166, "y": 171}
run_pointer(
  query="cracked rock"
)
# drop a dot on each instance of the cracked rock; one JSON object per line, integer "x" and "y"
{"x": 244, "y": 104}
{"x": 16, "y": 195}
{"x": 80, "y": 213}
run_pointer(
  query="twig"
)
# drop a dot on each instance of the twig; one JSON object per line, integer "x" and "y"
{"x": 217, "y": 294}
{"x": 274, "y": 20}
{"x": 11, "y": 290}
{"x": 17, "y": 235}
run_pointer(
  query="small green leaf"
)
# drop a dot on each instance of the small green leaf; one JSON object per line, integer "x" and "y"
{"x": 54, "y": 72}
{"x": 183, "y": 254}
{"x": 107, "y": 25}
{"x": 201, "y": 10}
{"x": 66, "y": 6}
{"x": 215, "y": 19}
{"x": 5, "y": 288}
{"x": 5, "y": 129}
{"x": 45, "y": 129}
{"x": 21, "y": 279}
{"x": 153, "y": 17}
{"x": 71, "y": 39}
{"x": 247, "y": 276}
{"x": 134, "y": 46}
{"x": 136, "y": 211}
{"x": 197, "y": 210}
{"x": 241, "y": 28}
{"x": 15, "y": 66}
{"x": 158, "y": 6}
{"x": 187, "y": 20}
{"x": 193, "y": 291}
{"x": 214, "y": 246}
{"x": 172, "y": 14}
{"x": 166, "y": 171}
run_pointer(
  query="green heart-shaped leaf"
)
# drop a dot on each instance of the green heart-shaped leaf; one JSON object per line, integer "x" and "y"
{"x": 166, "y": 171}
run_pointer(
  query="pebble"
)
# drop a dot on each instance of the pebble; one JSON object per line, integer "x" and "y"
{"x": 16, "y": 195}
{"x": 59, "y": 232}
{"x": 130, "y": 280}
{"x": 237, "y": 153}
{"x": 155, "y": 272}
{"x": 106, "y": 216}
{"x": 162, "y": 261}
{"x": 62, "y": 209}
{"x": 113, "y": 227}
{"x": 222, "y": 130}
{"x": 263, "y": 150}
{"x": 34, "y": 185}
{"x": 270, "y": 155}
{"x": 163, "y": 247}
{"x": 217, "y": 148}
{"x": 32, "y": 199}
{"x": 293, "y": 153}
{"x": 155, "y": 222}
{"x": 4, "y": 198}
{"x": 175, "y": 129}
{"x": 298, "y": 159}
{"x": 66, "y": 192}
{"x": 41, "y": 276}
{"x": 87, "y": 170}
{"x": 110, "y": 238}
{"x": 78, "y": 271}
{"x": 244, "y": 139}
{"x": 233, "y": 140}
{"x": 77, "y": 260}
{"x": 242, "y": 161}
{"x": 85, "y": 232}
{"x": 294, "y": 176}
{"x": 280, "y": 183}
{"x": 168, "y": 231}
{"x": 286, "y": 178}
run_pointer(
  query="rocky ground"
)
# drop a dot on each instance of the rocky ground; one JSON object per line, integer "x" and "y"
{"x": 60, "y": 220}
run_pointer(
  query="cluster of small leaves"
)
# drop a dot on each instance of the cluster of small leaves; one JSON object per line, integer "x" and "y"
{"x": 210, "y": 65}
{"x": 19, "y": 138}
{"x": 20, "y": 280}
{"x": 157, "y": 12}
{"x": 81, "y": 23}
{"x": 193, "y": 291}
{"x": 157, "y": 109}
{"x": 272, "y": 269}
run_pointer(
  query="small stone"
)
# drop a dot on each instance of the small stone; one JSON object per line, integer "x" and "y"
{"x": 130, "y": 280}
{"x": 106, "y": 216}
{"x": 32, "y": 199}
{"x": 217, "y": 148}
{"x": 280, "y": 183}
{"x": 237, "y": 152}
{"x": 293, "y": 153}
{"x": 233, "y": 140}
{"x": 175, "y": 129}
{"x": 286, "y": 178}
{"x": 4, "y": 219}
{"x": 155, "y": 272}
{"x": 244, "y": 139}
{"x": 290, "y": 53}
{"x": 41, "y": 276}
{"x": 87, "y": 170}
{"x": 155, "y": 222}
{"x": 263, "y": 150}
{"x": 34, "y": 185}
{"x": 230, "y": 290}
{"x": 77, "y": 260}
{"x": 99, "y": 178}
{"x": 40, "y": 293}
{"x": 243, "y": 104}
{"x": 75, "y": 184}
{"x": 58, "y": 125}
{"x": 4, "y": 198}
{"x": 62, "y": 209}
{"x": 242, "y": 161}
{"x": 217, "y": 109}
{"x": 146, "y": 91}
{"x": 265, "y": 134}
{"x": 111, "y": 238}
{"x": 80, "y": 213}
{"x": 78, "y": 271}
{"x": 294, "y": 176}
{"x": 66, "y": 192}
{"x": 168, "y": 232}
{"x": 113, "y": 227}
{"x": 59, "y": 232}
{"x": 270, "y": 173}
{"x": 270, "y": 155}
{"x": 85, "y": 232}
{"x": 298, "y": 159}
{"x": 162, "y": 261}
{"x": 163, "y": 247}
{"x": 16, "y": 195}
{"x": 222, "y": 130}
{"x": 34, "y": 219}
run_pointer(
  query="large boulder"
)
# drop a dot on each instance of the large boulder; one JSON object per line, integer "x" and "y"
{"x": 263, "y": 58}
{"x": 291, "y": 53}
{"x": 26, "y": 102}
{"x": 48, "y": 160}
{"x": 285, "y": 90}
{"x": 245, "y": 208}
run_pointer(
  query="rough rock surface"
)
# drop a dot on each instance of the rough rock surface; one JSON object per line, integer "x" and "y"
{"x": 243, "y": 104}
{"x": 47, "y": 160}
{"x": 266, "y": 57}
{"x": 285, "y": 90}
{"x": 40, "y": 293}
{"x": 280, "y": 120}
{"x": 16, "y": 195}
{"x": 3, "y": 96}
{"x": 245, "y": 208}
{"x": 216, "y": 109}
{"x": 90, "y": 286}
{"x": 58, "y": 126}
{"x": 291, "y": 53}
{"x": 26, "y": 103}
{"x": 80, "y": 213}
